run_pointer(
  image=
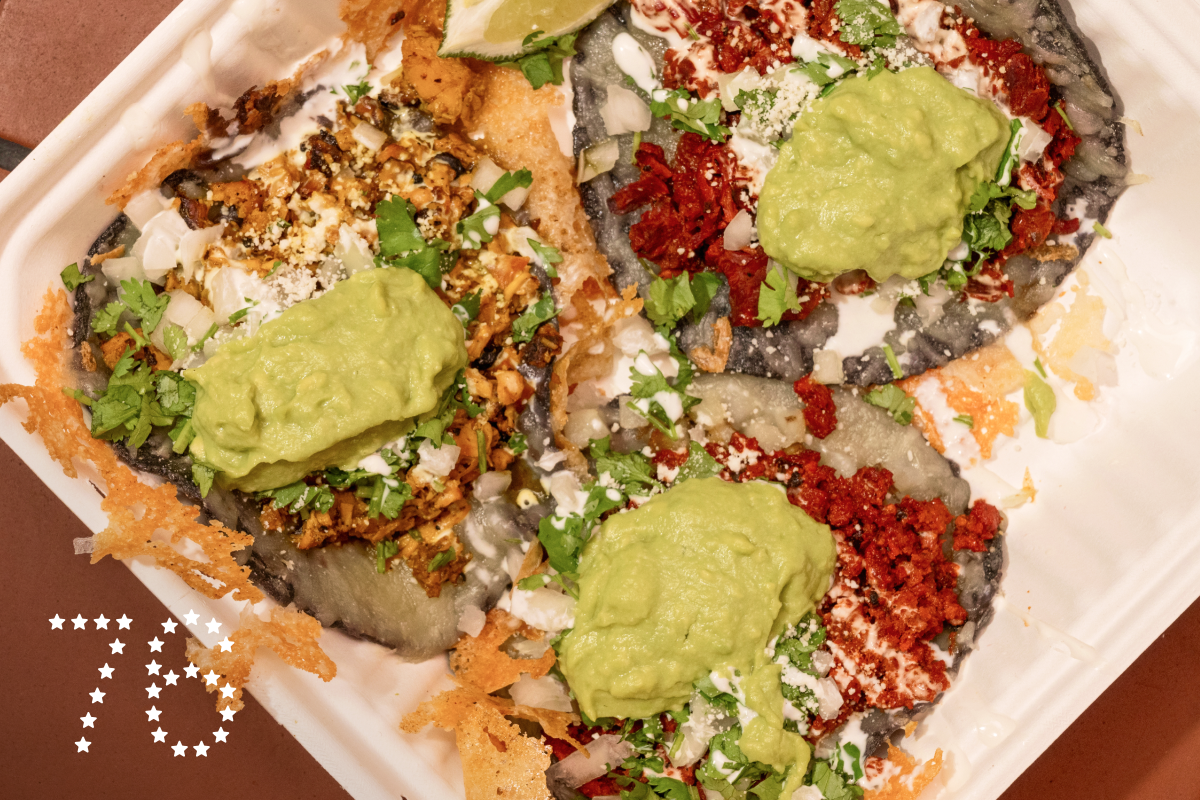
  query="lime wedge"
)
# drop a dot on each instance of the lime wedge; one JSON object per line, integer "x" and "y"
{"x": 495, "y": 30}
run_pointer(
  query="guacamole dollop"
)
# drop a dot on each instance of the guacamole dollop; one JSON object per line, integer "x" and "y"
{"x": 877, "y": 176}
{"x": 696, "y": 580}
{"x": 326, "y": 383}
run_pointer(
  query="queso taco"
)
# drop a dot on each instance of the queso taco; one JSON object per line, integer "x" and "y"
{"x": 630, "y": 481}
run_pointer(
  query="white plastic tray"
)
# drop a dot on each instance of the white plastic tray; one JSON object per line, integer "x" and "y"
{"x": 1099, "y": 566}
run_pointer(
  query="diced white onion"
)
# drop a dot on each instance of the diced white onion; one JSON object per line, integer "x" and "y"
{"x": 597, "y": 160}
{"x": 192, "y": 246}
{"x": 180, "y": 311}
{"x": 491, "y": 485}
{"x": 487, "y": 172}
{"x": 827, "y": 367}
{"x": 143, "y": 207}
{"x": 158, "y": 245}
{"x": 353, "y": 251}
{"x": 369, "y": 136}
{"x": 740, "y": 231}
{"x": 624, "y": 111}
{"x": 122, "y": 269}
{"x": 438, "y": 461}
{"x": 583, "y": 426}
{"x": 1033, "y": 141}
{"x": 603, "y": 753}
{"x": 544, "y": 608}
{"x": 472, "y": 620}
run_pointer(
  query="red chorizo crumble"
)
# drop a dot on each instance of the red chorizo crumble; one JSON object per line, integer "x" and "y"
{"x": 820, "y": 412}
{"x": 691, "y": 204}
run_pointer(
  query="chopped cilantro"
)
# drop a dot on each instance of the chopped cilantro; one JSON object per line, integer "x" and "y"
{"x": 1004, "y": 171}
{"x": 383, "y": 551}
{"x": 689, "y": 114}
{"x": 467, "y": 309}
{"x": 386, "y": 497}
{"x": 203, "y": 475}
{"x": 867, "y": 22}
{"x": 966, "y": 419}
{"x": 1101, "y": 230}
{"x": 357, "y": 91}
{"x": 299, "y": 498}
{"x": 481, "y": 447}
{"x": 77, "y": 396}
{"x": 518, "y": 444}
{"x": 646, "y": 390}
{"x": 833, "y": 784}
{"x": 398, "y": 232}
{"x": 105, "y": 320}
{"x": 776, "y": 297}
{"x": 893, "y": 362}
{"x": 671, "y": 299}
{"x": 536, "y": 315}
{"x": 631, "y": 471}
{"x": 176, "y": 340}
{"x": 507, "y": 182}
{"x": 474, "y": 229}
{"x": 542, "y": 62}
{"x": 892, "y": 399}
{"x": 989, "y": 212}
{"x": 548, "y": 255}
{"x": 198, "y": 346}
{"x": 1037, "y": 363}
{"x": 532, "y": 582}
{"x": 139, "y": 297}
{"x": 72, "y": 278}
{"x": 1062, "y": 112}
{"x": 699, "y": 464}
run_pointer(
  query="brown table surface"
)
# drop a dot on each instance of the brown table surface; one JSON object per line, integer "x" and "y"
{"x": 1141, "y": 739}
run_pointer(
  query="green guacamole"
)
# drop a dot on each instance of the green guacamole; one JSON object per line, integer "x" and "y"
{"x": 698, "y": 579}
{"x": 877, "y": 176}
{"x": 327, "y": 382}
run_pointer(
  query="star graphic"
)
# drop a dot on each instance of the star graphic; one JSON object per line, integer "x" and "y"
{"x": 180, "y": 748}
{"x": 56, "y": 623}
{"x": 118, "y": 646}
{"x": 201, "y": 749}
{"x": 123, "y": 623}
{"x": 101, "y": 622}
{"x": 192, "y": 671}
{"x": 159, "y": 735}
{"x": 227, "y": 714}
{"x": 220, "y": 734}
{"x": 79, "y": 622}
{"x": 227, "y": 691}
{"x": 169, "y": 626}
{"x": 170, "y": 678}
{"x": 213, "y": 626}
{"x": 191, "y": 617}
{"x": 97, "y": 697}
{"x": 88, "y": 720}
{"x": 155, "y": 645}
{"x": 152, "y": 690}
{"x": 210, "y": 678}
{"x": 153, "y": 667}
{"x": 82, "y": 744}
{"x": 153, "y": 714}
{"x": 226, "y": 644}
{"x": 106, "y": 671}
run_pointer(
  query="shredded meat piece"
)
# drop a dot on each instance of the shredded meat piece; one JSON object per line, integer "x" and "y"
{"x": 820, "y": 412}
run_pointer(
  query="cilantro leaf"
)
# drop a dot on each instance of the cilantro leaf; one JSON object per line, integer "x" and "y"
{"x": 689, "y": 114}
{"x": 669, "y": 300}
{"x": 105, "y": 320}
{"x": 866, "y": 22}
{"x": 176, "y": 339}
{"x": 893, "y": 362}
{"x": 474, "y": 229}
{"x": 198, "y": 346}
{"x": 628, "y": 470}
{"x": 139, "y": 297}
{"x": 386, "y": 499}
{"x": 203, "y": 475}
{"x": 357, "y": 91}
{"x": 543, "y": 59}
{"x": 533, "y": 582}
{"x": 651, "y": 390}
{"x": 467, "y": 309}
{"x": 426, "y": 262}
{"x": 800, "y": 642}
{"x": 175, "y": 393}
{"x": 699, "y": 464}
{"x": 776, "y": 297}
{"x": 441, "y": 559}
{"x": 892, "y": 399}
{"x": 383, "y": 551}
{"x": 966, "y": 419}
{"x": 299, "y": 498}
{"x": 72, "y": 278}
{"x": 398, "y": 232}
{"x": 522, "y": 178}
{"x": 563, "y": 539}
{"x": 833, "y": 785}
{"x": 518, "y": 444}
{"x": 548, "y": 254}
{"x": 705, "y": 286}
{"x": 535, "y": 316}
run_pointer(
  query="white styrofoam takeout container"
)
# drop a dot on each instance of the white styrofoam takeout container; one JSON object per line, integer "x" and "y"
{"x": 1105, "y": 559}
